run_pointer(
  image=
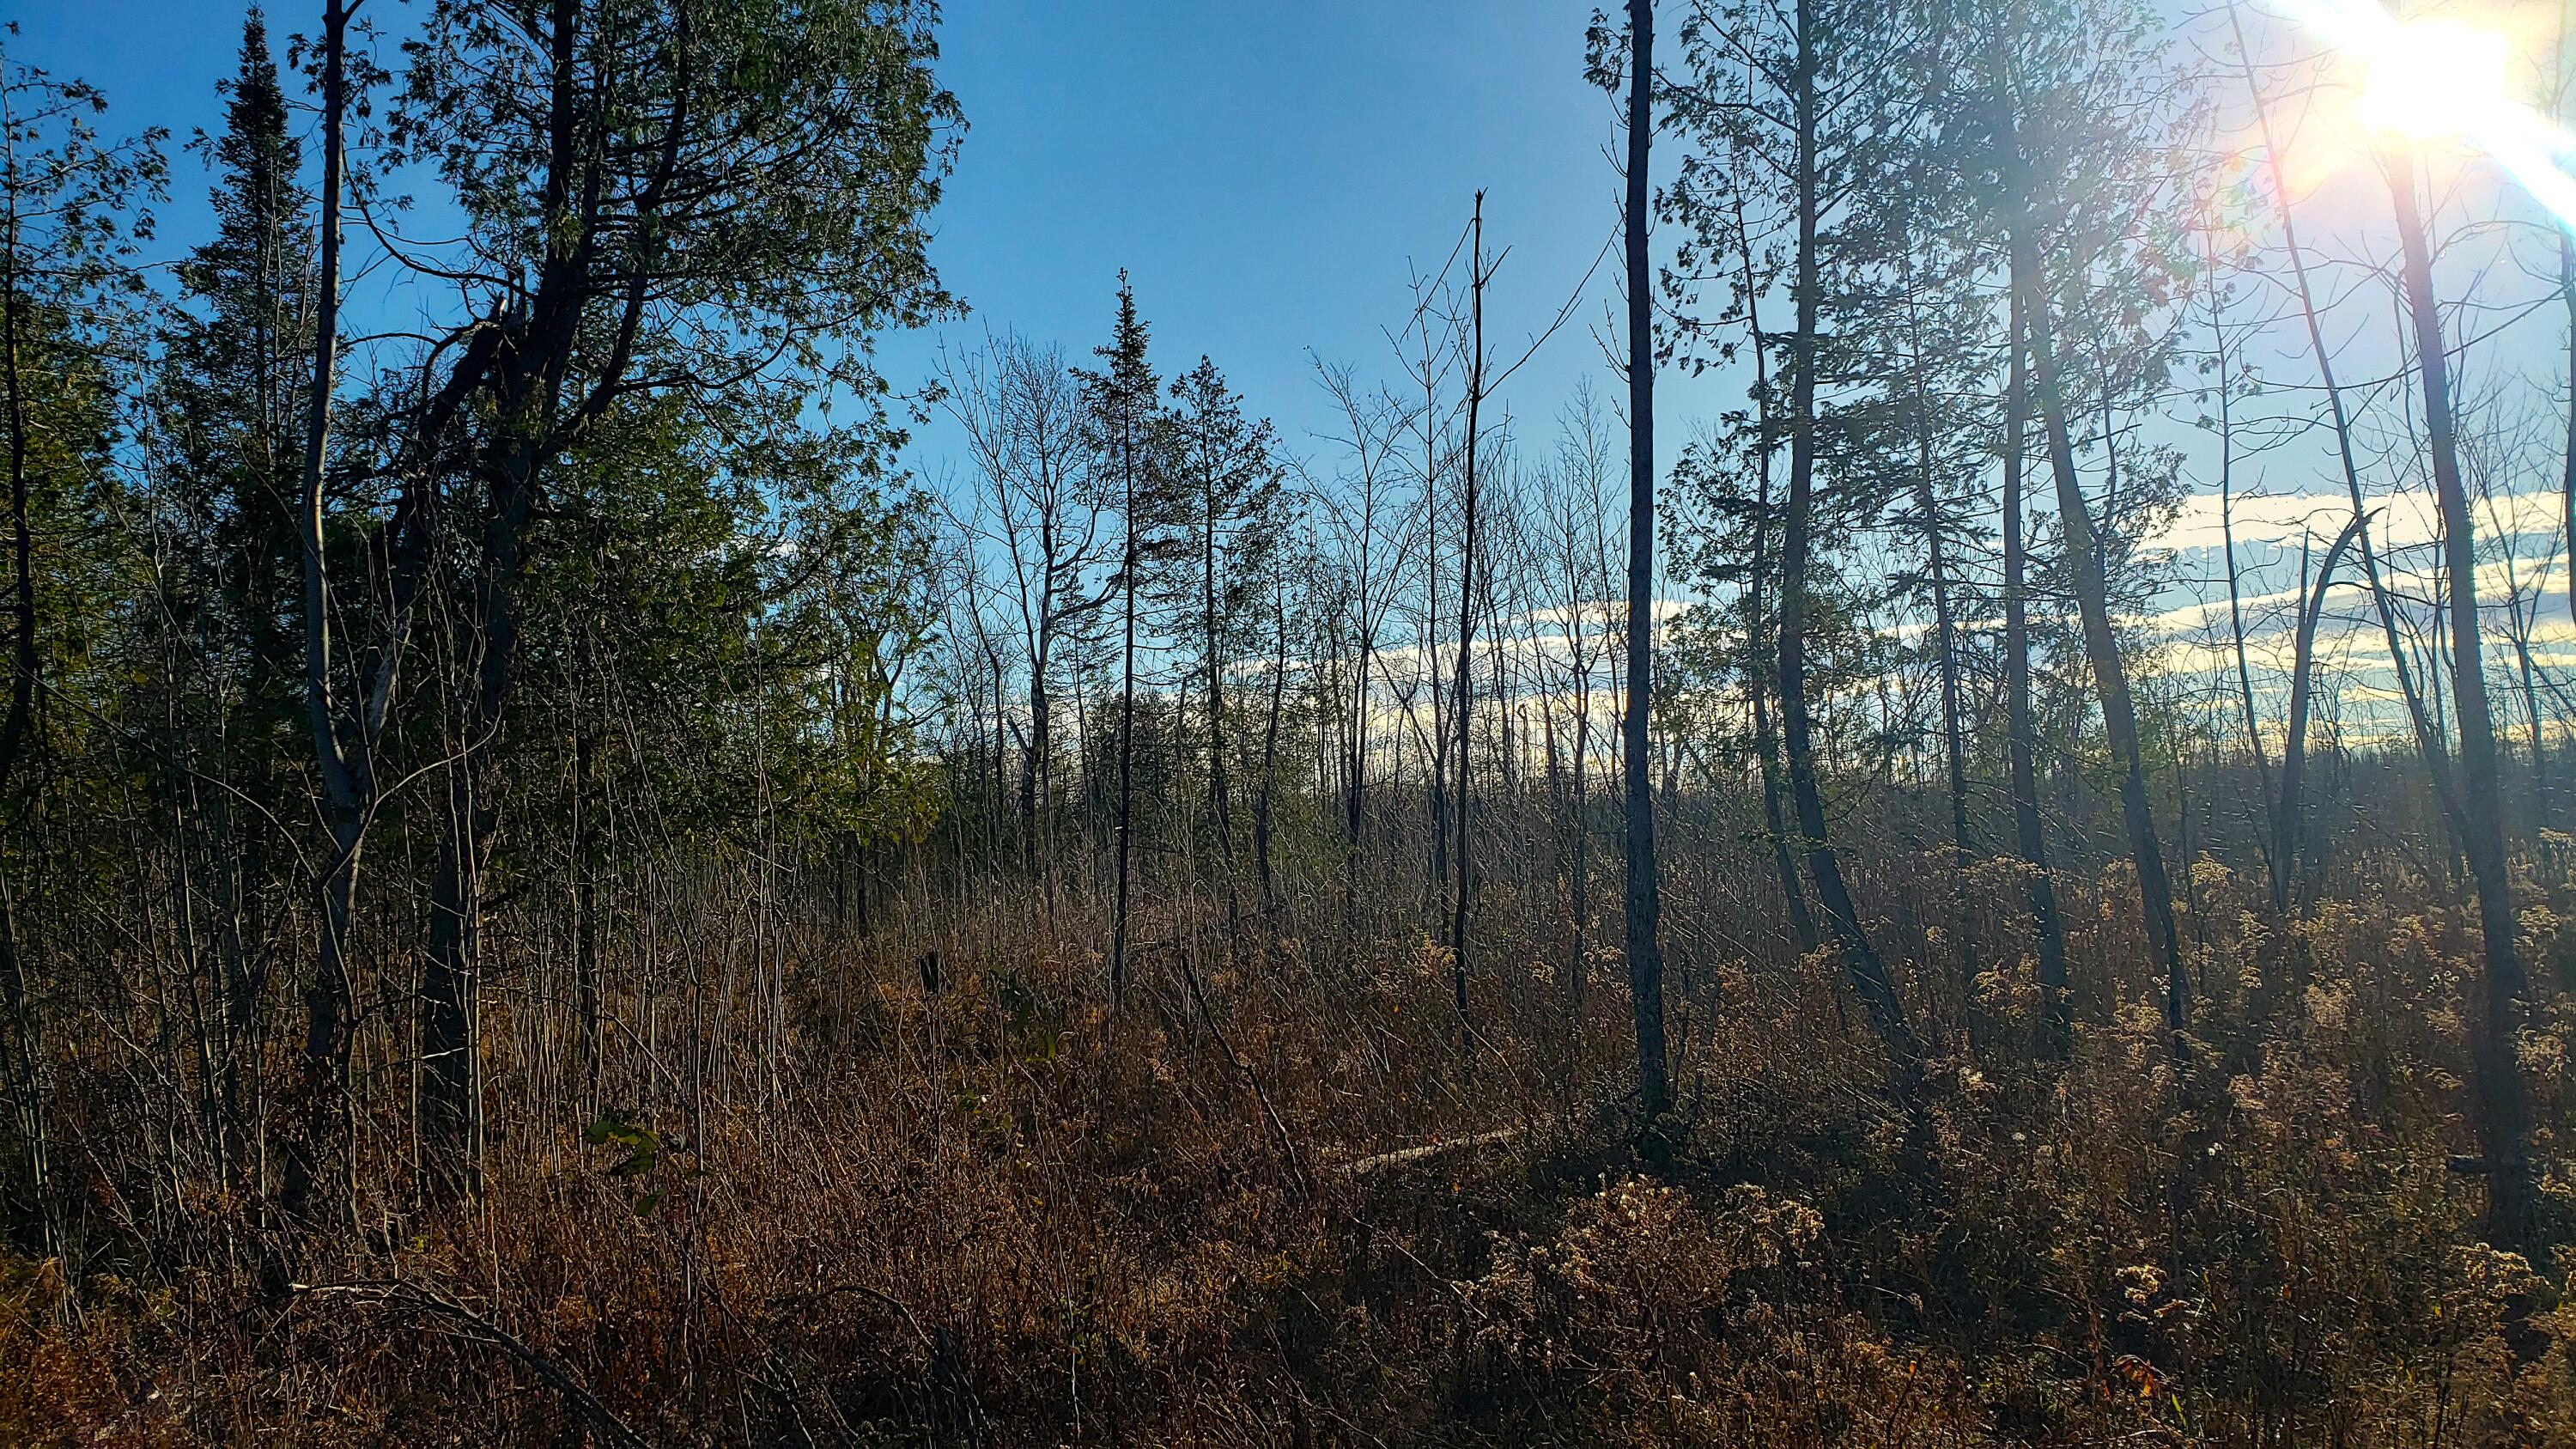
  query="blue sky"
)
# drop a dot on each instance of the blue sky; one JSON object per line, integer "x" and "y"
{"x": 1270, "y": 172}
{"x": 1266, "y": 169}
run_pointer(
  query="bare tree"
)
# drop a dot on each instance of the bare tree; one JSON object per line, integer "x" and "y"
{"x": 2503, "y": 1112}
{"x": 1373, "y": 540}
{"x": 1036, "y": 506}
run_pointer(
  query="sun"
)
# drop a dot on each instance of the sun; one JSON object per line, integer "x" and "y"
{"x": 2433, "y": 79}
{"x": 2437, "y": 82}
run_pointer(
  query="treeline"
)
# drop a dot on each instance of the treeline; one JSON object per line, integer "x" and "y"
{"x": 488, "y": 676}
{"x": 2009, "y": 290}
{"x": 338, "y": 632}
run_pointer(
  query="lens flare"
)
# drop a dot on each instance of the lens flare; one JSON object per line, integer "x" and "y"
{"x": 2437, "y": 80}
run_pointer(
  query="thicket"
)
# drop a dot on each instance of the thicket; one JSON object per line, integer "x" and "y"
{"x": 553, "y": 889}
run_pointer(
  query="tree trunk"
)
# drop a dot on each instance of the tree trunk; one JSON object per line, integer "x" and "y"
{"x": 1270, "y": 761}
{"x": 1220, "y": 814}
{"x": 2288, "y": 827}
{"x": 1126, "y": 741}
{"x": 451, "y": 1122}
{"x": 1757, "y": 663}
{"x": 1645, "y": 959}
{"x": 347, "y": 772}
{"x": 2567, "y": 480}
{"x": 1945, "y": 641}
{"x": 17, "y": 725}
{"x": 2276, "y": 867}
{"x": 1355, "y": 788}
{"x": 1579, "y": 830}
{"x": 1464, "y": 886}
{"x": 2056, "y": 992}
{"x": 2110, "y": 677}
{"x": 1862, "y": 966}
{"x": 2503, "y": 1116}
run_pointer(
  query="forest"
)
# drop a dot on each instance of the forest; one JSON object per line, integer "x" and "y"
{"x": 592, "y": 852}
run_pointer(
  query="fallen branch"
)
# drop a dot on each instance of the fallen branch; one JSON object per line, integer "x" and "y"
{"x": 1377, "y": 1162}
{"x": 400, "y": 1293}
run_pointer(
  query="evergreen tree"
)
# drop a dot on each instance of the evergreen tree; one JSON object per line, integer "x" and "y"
{"x": 721, "y": 204}
{"x": 232, "y": 385}
{"x": 1225, "y": 491}
{"x": 1800, "y": 115}
{"x": 71, "y": 209}
{"x": 1131, "y": 433}
{"x": 2076, "y": 106}
{"x": 226, "y": 436}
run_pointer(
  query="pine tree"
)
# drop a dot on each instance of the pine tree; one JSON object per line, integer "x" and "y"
{"x": 717, "y": 203}
{"x": 233, "y": 381}
{"x": 1130, "y": 432}
{"x": 2067, "y": 168}
{"x": 226, "y": 432}
{"x": 1831, "y": 72}
{"x": 1225, "y": 490}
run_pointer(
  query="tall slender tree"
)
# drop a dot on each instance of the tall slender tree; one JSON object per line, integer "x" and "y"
{"x": 2069, "y": 176}
{"x": 1644, "y": 950}
{"x": 346, "y": 764}
{"x": 67, "y": 229}
{"x": 1226, "y": 489}
{"x": 2503, "y": 1106}
{"x": 1131, "y": 434}
{"x": 1790, "y": 103}
{"x": 221, "y": 439}
{"x": 1471, "y": 552}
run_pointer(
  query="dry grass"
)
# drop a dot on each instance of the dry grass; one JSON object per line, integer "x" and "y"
{"x": 1005, "y": 1214}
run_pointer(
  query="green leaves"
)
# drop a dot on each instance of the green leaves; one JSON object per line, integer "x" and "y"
{"x": 638, "y": 1145}
{"x": 638, "y": 1150}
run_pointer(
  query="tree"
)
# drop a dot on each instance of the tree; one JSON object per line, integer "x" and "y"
{"x": 1462, "y": 885}
{"x": 343, "y": 742}
{"x": 1226, "y": 488}
{"x": 1575, "y": 507}
{"x": 1644, "y": 951}
{"x": 2072, "y": 171}
{"x": 66, "y": 236}
{"x": 1704, "y": 189}
{"x": 233, "y": 385}
{"x": 2503, "y": 1110}
{"x": 1922, "y": 441}
{"x": 720, "y": 203}
{"x": 1131, "y": 435}
{"x": 221, "y": 439}
{"x": 1793, "y": 93}
{"x": 2056, "y": 991}
{"x": 1037, "y": 500}
{"x": 1372, "y": 541}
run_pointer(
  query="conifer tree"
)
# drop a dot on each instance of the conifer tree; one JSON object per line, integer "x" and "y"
{"x": 713, "y": 205}
{"x": 232, "y": 388}
{"x": 1225, "y": 488}
{"x": 1795, "y": 110}
{"x": 72, "y": 205}
{"x": 227, "y": 432}
{"x": 1130, "y": 431}
{"x": 2076, "y": 100}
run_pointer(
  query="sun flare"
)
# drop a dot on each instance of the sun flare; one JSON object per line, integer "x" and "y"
{"x": 2433, "y": 80}
{"x": 2436, "y": 81}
